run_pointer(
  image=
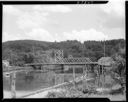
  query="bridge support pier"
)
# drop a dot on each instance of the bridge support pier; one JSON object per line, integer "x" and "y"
{"x": 103, "y": 76}
{"x": 74, "y": 75}
{"x": 63, "y": 73}
{"x": 12, "y": 84}
{"x": 85, "y": 73}
{"x": 55, "y": 78}
{"x": 98, "y": 78}
{"x": 83, "y": 76}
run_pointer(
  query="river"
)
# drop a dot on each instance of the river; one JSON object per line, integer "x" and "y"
{"x": 28, "y": 82}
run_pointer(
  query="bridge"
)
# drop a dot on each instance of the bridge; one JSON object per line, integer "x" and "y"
{"x": 58, "y": 61}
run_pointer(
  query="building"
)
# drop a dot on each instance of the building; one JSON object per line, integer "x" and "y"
{"x": 106, "y": 62}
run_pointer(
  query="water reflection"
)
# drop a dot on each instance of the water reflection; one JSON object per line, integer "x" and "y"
{"x": 30, "y": 81}
{"x": 34, "y": 80}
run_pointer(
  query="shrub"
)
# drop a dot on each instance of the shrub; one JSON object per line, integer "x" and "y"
{"x": 51, "y": 95}
{"x": 80, "y": 87}
{"x": 54, "y": 94}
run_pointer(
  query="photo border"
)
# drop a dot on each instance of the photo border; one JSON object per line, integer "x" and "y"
{"x": 49, "y": 3}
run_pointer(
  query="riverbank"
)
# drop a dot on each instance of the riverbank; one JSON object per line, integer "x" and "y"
{"x": 43, "y": 94}
{"x": 7, "y": 94}
{"x": 119, "y": 97}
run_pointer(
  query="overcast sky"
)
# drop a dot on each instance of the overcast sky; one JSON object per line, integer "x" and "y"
{"x": 64, "y": 22}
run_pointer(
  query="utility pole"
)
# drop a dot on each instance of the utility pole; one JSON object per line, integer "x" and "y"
{"x": 83, "y": 47}
{"x": 103, "y": 74}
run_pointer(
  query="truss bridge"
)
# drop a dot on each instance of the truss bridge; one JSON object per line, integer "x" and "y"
{"x": 51, "y": 64}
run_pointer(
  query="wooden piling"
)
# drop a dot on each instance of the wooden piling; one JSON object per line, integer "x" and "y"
{"x": 12, "y": 84}
{"x": 83, "y": 79}
{"x": 98, "y": 77}
{"x": 86, "y": 74}
{"x": 74, "y": 75}
{"x": 55, "y": 78}
{"x": 63, "y": 73}
{"x": 103, "y": 76}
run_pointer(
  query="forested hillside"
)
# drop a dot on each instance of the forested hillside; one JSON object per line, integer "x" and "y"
{"x": 23, "y": 51}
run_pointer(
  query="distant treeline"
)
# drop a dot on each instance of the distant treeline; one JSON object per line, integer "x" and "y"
{"x": 20, "y": 52}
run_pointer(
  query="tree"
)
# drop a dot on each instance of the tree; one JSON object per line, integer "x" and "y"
{"x": 29, "y": 57}
{"x": 119, "y": 69}
{"x": 119, "y": 65}
{"x": 13, "y": 50}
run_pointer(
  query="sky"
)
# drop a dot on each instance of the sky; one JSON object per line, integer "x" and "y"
{"x": 64, "y": 22}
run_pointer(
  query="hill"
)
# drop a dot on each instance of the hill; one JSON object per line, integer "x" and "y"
{"x": 21, "y": 51}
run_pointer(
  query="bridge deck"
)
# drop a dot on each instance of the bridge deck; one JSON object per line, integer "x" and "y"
{"x": 27, "y": 66}
{"x": 62, "y": 63}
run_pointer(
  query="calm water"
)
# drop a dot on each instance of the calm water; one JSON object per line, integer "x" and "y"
{"x": 34, "y": 80}
{"x": 30, "y": 81}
